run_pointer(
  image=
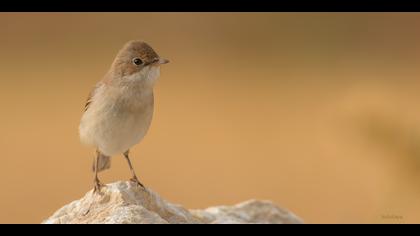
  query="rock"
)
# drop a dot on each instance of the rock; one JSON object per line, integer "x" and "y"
{"x": 249, "y": 212}
{"x": 126, "y": 203}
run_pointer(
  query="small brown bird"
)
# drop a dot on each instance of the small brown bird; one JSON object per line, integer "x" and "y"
{"x": 119, "y": 110}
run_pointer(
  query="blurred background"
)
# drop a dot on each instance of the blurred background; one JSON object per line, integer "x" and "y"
{"x": 318, "y": 112}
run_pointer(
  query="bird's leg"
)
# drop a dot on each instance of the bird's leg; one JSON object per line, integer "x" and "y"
{"x": 134, "y": 176}
{"x": 96, "y": 182}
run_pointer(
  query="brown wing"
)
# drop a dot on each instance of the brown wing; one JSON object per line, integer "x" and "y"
{"x": 90, "y": 96}
{"x": 88, "y": 101}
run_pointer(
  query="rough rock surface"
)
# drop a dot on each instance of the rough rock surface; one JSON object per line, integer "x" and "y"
{"x": 126, "y": 203}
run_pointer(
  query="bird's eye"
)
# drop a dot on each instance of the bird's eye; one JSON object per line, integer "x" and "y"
{"x": 137, "y": 61}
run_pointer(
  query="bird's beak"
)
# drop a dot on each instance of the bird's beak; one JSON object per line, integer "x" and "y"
{"x": 158, "y": 62}
{"x": 162, "y": 61}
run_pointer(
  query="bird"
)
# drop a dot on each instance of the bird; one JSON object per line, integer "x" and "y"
{"x": 119, "y": 109}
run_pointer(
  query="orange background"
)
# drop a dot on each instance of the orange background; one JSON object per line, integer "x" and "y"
{"x": 318, "y": 112}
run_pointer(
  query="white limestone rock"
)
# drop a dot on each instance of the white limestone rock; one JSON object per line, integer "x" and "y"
{"x": 126, "y": 203}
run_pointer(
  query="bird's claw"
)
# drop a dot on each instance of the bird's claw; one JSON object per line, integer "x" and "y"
{"x": 136, "y": 180}
{"x": 97, "y": 186}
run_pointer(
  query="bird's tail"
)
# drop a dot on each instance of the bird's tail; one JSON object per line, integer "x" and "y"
{"x": 104, "y": 162}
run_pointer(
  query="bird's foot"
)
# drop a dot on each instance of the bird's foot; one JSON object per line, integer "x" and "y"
{"x": 134, "y": 179}
{"x": 97, "y": 186}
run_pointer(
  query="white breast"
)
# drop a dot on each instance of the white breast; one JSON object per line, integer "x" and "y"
{"x": 119, "y": 115}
